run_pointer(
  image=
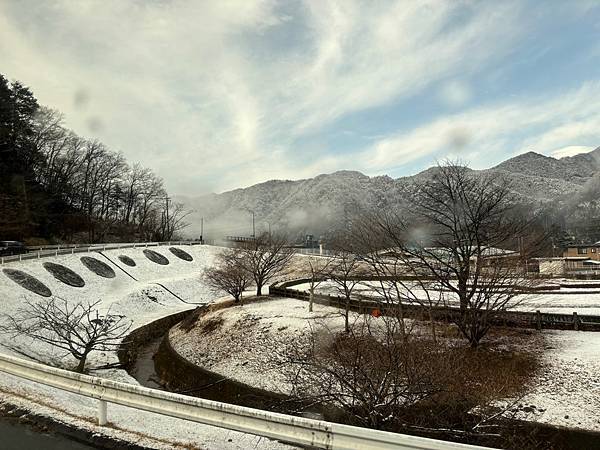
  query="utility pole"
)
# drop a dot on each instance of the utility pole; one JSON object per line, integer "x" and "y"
{"x": 253, "y": 228}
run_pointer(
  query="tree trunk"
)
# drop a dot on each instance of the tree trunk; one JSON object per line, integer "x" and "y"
{"x": 310, "y": 299}
{"x": 347, "y": 320}
{"x": 400, "y": 319}
{"x": 258, "y": 289}
{"x": 81, "y": 366}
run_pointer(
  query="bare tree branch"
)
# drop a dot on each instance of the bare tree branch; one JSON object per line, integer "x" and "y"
{"x": 77, "y": 328}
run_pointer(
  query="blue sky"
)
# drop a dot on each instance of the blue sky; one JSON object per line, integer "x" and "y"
{"x": 219, "y": 95}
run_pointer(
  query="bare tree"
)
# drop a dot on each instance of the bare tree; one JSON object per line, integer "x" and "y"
{"x": 228, "y": 274}
{"x": 370, "y": 372}
{"x": 388, "y": 287}
{"x": 463, "y": 222}
{"x": 172, "y": 220}
{"x": 346, "y": 273}
{"x": 389, "y": 276}
{"x": 151, "y": 191}
{"x": 266, "y": 257}
{"x": 319, "y": 268}
{"x": 77, "y": 328}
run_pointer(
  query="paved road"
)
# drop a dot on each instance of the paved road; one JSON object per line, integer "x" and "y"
{"x": 18, "y": 436}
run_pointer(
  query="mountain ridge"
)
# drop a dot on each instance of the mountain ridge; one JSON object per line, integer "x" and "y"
{"x": 318, "y": 204}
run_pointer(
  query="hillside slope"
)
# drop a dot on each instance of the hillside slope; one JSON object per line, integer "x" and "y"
{"x": 326, "y": 201}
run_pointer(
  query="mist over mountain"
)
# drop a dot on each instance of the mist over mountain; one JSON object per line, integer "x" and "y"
{"x": 320, "y": 204}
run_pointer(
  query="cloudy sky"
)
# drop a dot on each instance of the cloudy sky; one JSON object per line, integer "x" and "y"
{"x": 215, "y": 95}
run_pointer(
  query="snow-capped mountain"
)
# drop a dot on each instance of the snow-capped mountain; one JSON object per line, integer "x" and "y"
{"x": 318, "y": 204}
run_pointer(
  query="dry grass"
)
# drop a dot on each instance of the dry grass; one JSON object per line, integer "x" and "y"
{"x": 189, "y": 322}
{"x": 211, "y": 324}
{"x": 474, "y": 379}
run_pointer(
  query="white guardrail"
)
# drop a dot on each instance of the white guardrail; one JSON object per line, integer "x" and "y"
{"x": 285, "y": 428}
{"x": 70, "y": 249}
{"x": 55, "y": 250}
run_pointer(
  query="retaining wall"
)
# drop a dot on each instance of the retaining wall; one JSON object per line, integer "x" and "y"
{"x": 520, "y": 319}
{"x": 182, "y": 376}
{"x": 139, "y": 337}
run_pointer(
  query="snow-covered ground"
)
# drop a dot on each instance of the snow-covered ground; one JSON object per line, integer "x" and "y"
{"x": 566, "y": 392}
{"x": 241, "y": 347}
{"x": 564, "y": 301}
{"x": 142, "y": 301}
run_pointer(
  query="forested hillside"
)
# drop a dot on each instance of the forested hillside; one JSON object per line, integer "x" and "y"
{"x": 564, "y": 193}
{"x": 58, "y": 186}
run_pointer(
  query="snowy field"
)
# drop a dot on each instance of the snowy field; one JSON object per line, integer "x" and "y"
{"x": 566, "y": 300}
{"x": 142, "y": 301}
{"x": 242, "y": 346}
{"x": 566, "y": 393}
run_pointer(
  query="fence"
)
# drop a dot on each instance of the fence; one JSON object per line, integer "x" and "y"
{"x": 584, "y": 274}
{"x": 314, "y": 251}
{"x": 522, "y": 319}
{"x": 289, "y": 429}
{"x": 55, "y": 250}
{"x": 69, "y": 249}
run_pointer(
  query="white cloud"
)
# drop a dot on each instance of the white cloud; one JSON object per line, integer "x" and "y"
{"x": 210, "y": 82}
{"x": 369, "y": 55}
{"x": 571, "y": 150}
{"x": 213, "y": 95}
{"x": 542, "y": 125}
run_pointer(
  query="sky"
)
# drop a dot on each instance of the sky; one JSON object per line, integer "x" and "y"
{"x": 216, "y": 95}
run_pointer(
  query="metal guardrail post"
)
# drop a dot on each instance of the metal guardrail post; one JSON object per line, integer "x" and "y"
{"x": 102, "y": 413}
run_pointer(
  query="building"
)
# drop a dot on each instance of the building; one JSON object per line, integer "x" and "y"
{"x": 490, "y": 256}
{"x": 568, "y": 265}
{"x": 588, "y": 251}
{"x": 560, "y": 266}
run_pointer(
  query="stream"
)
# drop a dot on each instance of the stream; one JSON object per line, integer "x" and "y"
{"x": 143, "y": 370}
{"x": 206, "y": 384}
